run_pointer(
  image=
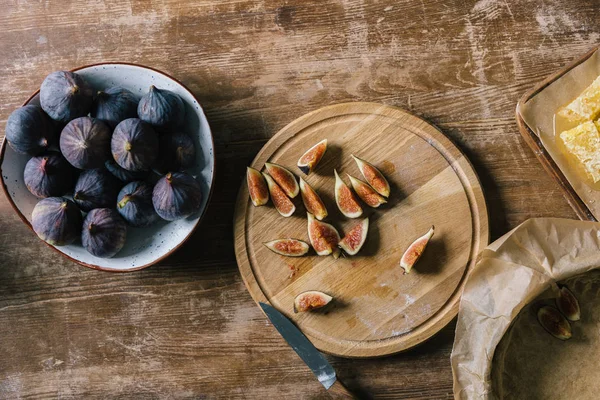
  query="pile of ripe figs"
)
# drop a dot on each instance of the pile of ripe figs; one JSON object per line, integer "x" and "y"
{"x": 121, "y": 159}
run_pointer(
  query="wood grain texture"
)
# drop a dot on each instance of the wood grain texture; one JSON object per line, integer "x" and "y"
{"x": 187, "y": 328}
{"x": 378, "y": 310}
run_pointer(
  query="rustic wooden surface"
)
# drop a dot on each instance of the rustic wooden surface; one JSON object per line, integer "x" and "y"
{"x": 378, "y": 310}
{"x": 187, "y": 328}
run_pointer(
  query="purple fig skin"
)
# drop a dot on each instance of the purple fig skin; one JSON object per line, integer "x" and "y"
{"x": 161, "y": 108}
{"x": 176, "y": 152}
{"x": 114, "y": 105}
{"x": 56, "y": 221}
{"x": 96, "y": 188}
{"x": 49, "y": 175}
{"x": 65, "y": 96}
{"x": 134, "y": 203}
{"x": 177, "y": 195}
{"x": 122, "y": 174}
{"x": 85, "y": 143}
{"x": 29, "y": 130}
{"x": 134, "y": 145}
{"x": 104, "y": 232}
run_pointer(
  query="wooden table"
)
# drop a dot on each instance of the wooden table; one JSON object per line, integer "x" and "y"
{"x": 187, "y": 328}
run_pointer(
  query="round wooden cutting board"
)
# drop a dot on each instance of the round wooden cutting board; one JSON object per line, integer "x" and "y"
{"x": 377, "y": 310}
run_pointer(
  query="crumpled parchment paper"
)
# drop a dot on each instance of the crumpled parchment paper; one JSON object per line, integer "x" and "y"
{"x": 538, "y": 114}
{"x": 511, "y": 272}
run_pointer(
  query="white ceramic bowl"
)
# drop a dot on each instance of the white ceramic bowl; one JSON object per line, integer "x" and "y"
{"x": 144, "y": 246}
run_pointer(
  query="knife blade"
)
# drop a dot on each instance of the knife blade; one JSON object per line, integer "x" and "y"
{"x": 302, "y": 346}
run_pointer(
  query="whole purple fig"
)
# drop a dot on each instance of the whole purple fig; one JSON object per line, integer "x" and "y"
{"x": 65, "y": 96}
{"x": 104, "y": 232}
{"x": 134, "y": 203}
{"x": 96, "y": 188}
{"x": 161, "y": 108}
{"x": 114, "y": 105}
{"x": 49, "y": 175}
{"x": 176, "y": 152}
{"x": 29, "y": 130}
{"x": 85, "y": 143}
{"x": 176, "y": 195}
{"x": 124, "y": 175}
{"x": 134, "y": 145}
{"x": 56, "y": 221}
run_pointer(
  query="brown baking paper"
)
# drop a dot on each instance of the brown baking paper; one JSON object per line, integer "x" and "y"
{"x": 511, "y": 272}
{"x": 538, "y": 114}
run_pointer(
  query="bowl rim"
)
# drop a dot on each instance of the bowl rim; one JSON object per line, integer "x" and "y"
{"x": 210, "y": 190}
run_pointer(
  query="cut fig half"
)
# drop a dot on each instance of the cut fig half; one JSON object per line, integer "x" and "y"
{"x": 345, "y": 199}
{"x": 373, "y": 176}
{"x": 282, "y": 203}
{"x": 324, "y": 238}
{"x": 554, "y": 322}
{"x": 284, "y": 178}
{"x": 567, "y": 304}
{"x": 355, "y": 238}
{"x": 288, "y": 247}
{"x": 312, "y": 201}
{"x": 257, "y": 187}
{"x": 311, "y": 300}
{"x": 366, "y": 193}
{"x": 311, "y": 158}
{"x": 414, "y": 251}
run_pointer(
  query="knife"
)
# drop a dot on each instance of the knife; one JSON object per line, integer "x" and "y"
{"x": 307, "y": 352}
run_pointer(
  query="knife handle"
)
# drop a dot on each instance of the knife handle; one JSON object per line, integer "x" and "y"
{"x": 339, "y": 391}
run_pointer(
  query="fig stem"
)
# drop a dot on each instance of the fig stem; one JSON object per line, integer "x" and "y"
{"x": 169, "y": 177}
{"x": 92, "y": 228}
{"x": 75, "y": 89}
{"x": 152, "y": 88}
{"x": 127, "y": 146}
{"x": 78, "y": 196}
{"x": 124, "y": 201}
{"x": 43, "y": 164}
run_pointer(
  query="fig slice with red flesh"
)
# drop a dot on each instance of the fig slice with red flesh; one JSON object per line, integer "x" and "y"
{"x": 288, "y": 247}
{"x": 257, "y": 187}
{"x": 366, "y": 193}
{"x": 373, "y": 176}
{"x": 312, "y": 201}
{"x": 355, "y": 238}
{"x": 345, "y": 199}
{"x": 311, "y": 158}
{"x": 282, "y": 203}
{"x": 284, "y": 178}
{"x": 415, "y": 250}
{"x": 324, "y": 238}
{"x": 311, "y": 300}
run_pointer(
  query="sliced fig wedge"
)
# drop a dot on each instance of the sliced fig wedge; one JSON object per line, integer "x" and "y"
{"x": 367, "y": 193}
{"x": 280, "y": 200}
{"x": 284, "y": 178}
{"x": 324, "y": 238}
{"x": 554, "y": 322}
{"x": 257, "y": 187}
{"x": 288, "y": 247}
{"x": 355, "y": 238}
{"x": 373, "y": 176}
{"x": 414, "y": 251}
{"x": 311, "y": 158}
{"x": 312, "y": 201}
{"x": 345, "y": 200}
{"x": 567, "y": 304}
{"x": 311, "y": 300}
